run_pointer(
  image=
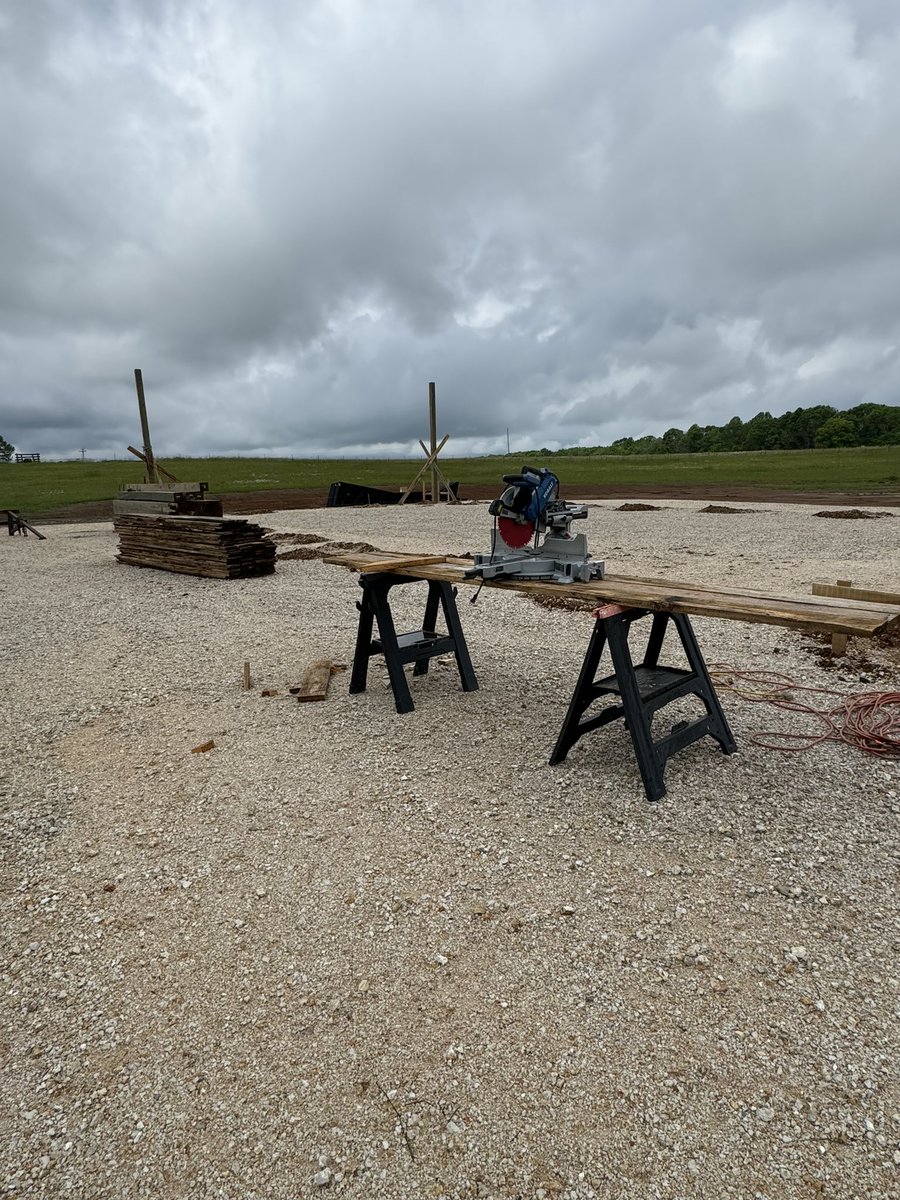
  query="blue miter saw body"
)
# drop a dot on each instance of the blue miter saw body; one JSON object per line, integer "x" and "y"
{"x": 532, "y": 537}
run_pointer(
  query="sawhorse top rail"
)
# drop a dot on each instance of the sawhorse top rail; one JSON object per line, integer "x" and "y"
{"x": 816, "y": 614}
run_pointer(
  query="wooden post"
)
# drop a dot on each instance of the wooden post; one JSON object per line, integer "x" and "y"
{"x": 152, "y": 473}
{"x": 432, "y": 421}
{"x": 246, "y": 677}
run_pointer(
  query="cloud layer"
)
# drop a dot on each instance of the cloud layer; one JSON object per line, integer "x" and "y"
{"x": 582, "y": 221}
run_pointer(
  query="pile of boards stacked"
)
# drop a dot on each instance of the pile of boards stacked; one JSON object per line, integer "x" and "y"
{"x": 217, "y": 547}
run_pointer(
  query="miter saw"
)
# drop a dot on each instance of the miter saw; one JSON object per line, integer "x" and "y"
{"x": 529, "y": 511}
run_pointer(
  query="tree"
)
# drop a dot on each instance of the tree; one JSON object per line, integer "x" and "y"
{"x": 837, "y": 432}
{"x": 6, "y": 450}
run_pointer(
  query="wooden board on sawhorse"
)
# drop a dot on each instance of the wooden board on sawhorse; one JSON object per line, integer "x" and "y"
{"x": 642, "y": 691}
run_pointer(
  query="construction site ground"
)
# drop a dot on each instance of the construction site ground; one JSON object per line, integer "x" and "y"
{"x": 293, "y": 498}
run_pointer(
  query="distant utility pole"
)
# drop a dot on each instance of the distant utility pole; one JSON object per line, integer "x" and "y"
{"x": 507, "y": 439}
{"x": 82, "y": 456}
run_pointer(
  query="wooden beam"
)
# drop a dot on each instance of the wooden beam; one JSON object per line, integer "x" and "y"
{"x": 847, "y": 592}
{"x": 425, "y": 466}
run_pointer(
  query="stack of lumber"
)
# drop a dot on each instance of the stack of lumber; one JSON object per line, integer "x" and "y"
{"x": 217, "y": 547}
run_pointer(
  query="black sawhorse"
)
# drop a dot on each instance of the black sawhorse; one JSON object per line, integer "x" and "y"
{"x": 417, "y": 647}
{"x": 643, "y": 690}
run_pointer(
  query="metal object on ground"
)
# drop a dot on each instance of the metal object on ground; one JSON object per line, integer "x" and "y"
{"x": 529, "y": 511}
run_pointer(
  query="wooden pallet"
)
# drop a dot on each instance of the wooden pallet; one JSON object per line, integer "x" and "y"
{"x": 214, "y": 547}
{"x": 821, "y": 614}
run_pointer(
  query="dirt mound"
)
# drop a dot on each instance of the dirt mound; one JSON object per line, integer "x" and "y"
{"x": 320, "y": 548}
{"x": 724, "y": 508}
{"x": 851, "y": 514}
{"x": 639, "y": 508}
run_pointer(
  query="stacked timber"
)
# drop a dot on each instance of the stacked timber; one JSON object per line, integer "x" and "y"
{"x": 217, "y": 547}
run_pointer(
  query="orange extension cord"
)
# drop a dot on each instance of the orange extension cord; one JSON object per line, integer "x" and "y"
{"x": 868, "y": 721}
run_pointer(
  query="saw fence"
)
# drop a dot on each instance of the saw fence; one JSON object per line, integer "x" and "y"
{"x": 638, "y": 687}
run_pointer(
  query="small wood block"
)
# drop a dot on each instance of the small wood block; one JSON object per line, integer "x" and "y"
{"x": 246, "y": 677}
{"x": 314, "y": 684}
{"x": 838, "y": 644}
{"x": 203, "y": 747}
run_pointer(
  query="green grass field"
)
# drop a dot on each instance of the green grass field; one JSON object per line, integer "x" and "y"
{"x": 36, "y": 487}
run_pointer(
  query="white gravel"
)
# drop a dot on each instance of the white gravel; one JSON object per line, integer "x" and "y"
{"x": 347, "y": 952}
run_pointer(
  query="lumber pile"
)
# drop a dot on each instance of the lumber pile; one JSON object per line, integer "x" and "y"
{"x": 217, "y": 547}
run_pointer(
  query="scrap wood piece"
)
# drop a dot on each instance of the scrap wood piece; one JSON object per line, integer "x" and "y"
{"x": 203, "y": 747}
{"x": 394, "y": 564}
{"x": 846, "y": 591}
{"x": 314, "y": 684}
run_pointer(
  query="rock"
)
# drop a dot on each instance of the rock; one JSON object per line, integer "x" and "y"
{"x": 765, "y": 1114}
{"x": 322, "y": 1178}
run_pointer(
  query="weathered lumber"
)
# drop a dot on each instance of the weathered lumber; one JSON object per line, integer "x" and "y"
{"x": 213, "y": 547}
{"x": 314, "y": 684}
{"x": 814, "y": 614}
{"x": 844, "y": 589}
{"x": 17, "y": 524}
{"x": 395, "y": 564}
{"x": 848, "y": 592}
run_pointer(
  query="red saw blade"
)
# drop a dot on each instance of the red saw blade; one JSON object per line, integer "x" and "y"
{"x": 515, "y": 535}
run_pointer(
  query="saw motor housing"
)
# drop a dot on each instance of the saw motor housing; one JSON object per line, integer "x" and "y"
{"x": 532, "y": 536}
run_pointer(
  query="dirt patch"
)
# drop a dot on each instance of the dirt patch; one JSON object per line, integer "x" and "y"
{"x": 316, "y": 547}
{"x": 283, "y": 499}
{"x": 298, "y": 539}
{"x": 639, "y": 508}
{"x": 726, "y": 509}
{"x": 851, "y": 514}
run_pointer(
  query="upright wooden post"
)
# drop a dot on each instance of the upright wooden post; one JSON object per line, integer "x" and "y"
{"x": 432, "y": 419}
{"x": 152, "y": 473}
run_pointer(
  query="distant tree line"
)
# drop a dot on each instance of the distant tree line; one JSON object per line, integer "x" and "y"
{"x": 6, "y": 450}
{"x": 821, "y": 427}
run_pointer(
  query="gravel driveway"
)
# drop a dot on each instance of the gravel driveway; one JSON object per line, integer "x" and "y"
{"x": 345, "y": 952}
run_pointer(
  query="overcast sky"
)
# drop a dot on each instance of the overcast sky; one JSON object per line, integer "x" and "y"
{"x": 582, "y": 219}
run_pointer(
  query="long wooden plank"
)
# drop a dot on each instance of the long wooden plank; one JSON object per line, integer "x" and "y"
{"x": 821, "y": 615}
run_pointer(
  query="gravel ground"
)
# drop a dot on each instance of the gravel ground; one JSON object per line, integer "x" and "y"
{"x": 346, "y": 952}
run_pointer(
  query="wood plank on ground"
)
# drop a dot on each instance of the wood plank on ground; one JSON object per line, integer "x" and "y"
{"x": 314, "y": 684}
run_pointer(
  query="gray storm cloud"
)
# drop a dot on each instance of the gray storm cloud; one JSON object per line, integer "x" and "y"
{"x": 583, "y": 221}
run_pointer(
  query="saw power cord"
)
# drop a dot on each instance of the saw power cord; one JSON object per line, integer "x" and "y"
{"x": 868, "y": 721}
